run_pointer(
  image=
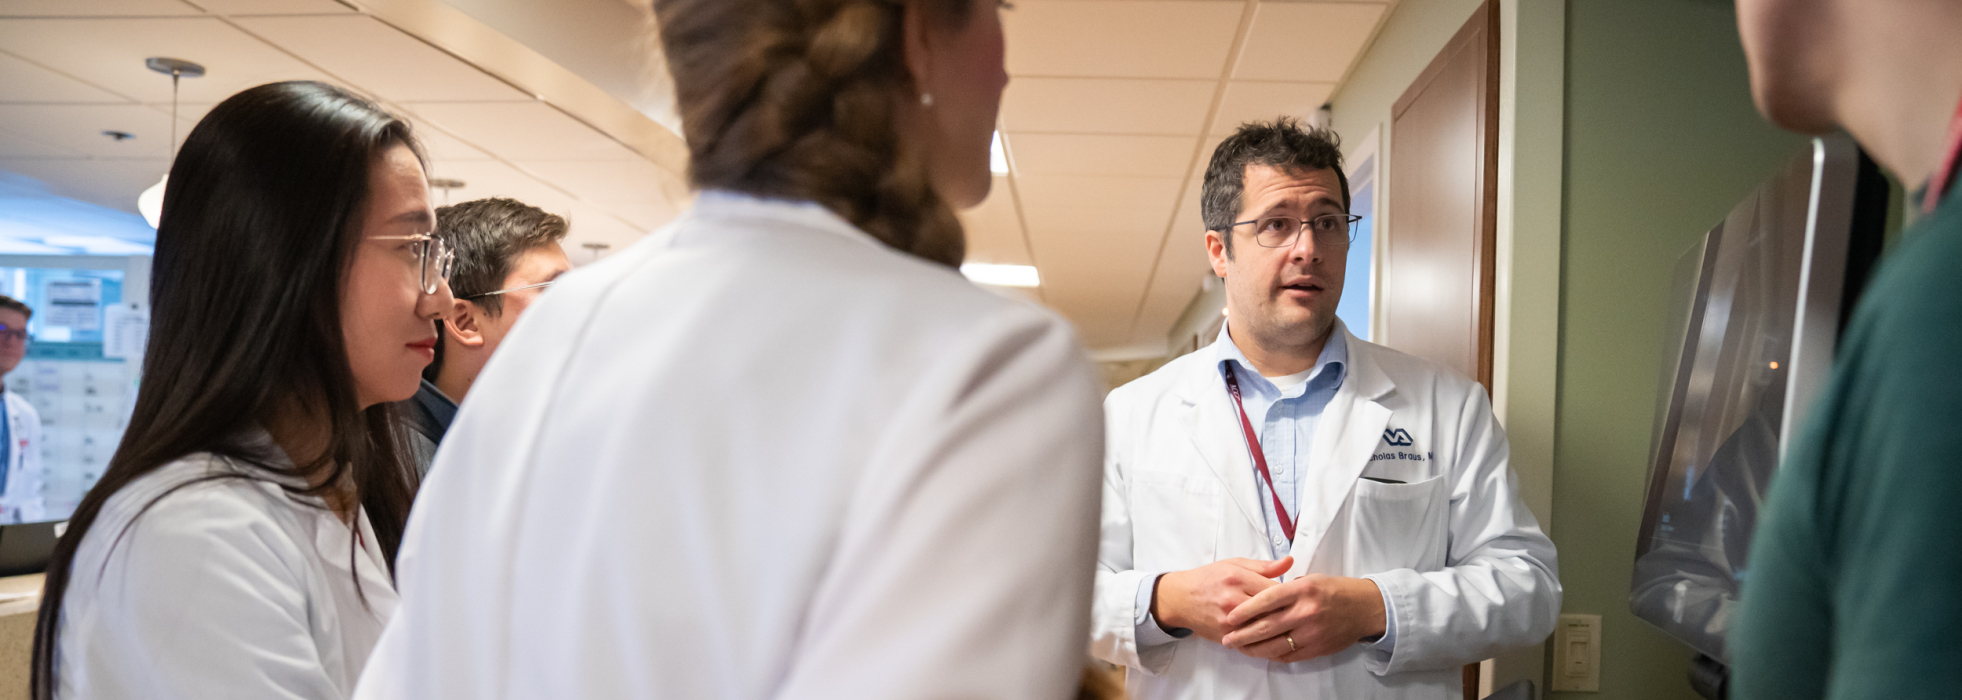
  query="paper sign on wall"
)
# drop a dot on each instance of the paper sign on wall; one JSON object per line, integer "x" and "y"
{"x": 75, "y": 304}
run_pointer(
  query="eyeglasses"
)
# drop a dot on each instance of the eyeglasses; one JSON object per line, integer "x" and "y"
{"x": 540, "y": 285}
{"x": 1335, "y": 230}
{"x": 13, "y": 335}
{"x": 434, "y": 258}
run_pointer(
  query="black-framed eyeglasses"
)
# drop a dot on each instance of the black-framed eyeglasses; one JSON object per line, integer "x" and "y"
{"x": 434, "y": 259}
{"x": 1279, "y": 231}
{"x": 540, "y": 285}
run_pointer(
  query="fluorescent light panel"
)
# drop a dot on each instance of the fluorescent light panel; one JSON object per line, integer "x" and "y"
{"x": 997, "y": 156}
{"x": 1002, "y": 275}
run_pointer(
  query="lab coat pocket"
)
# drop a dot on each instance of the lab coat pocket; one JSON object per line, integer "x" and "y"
{"x": 1398, "y": 526}
{"x": 1174, "y": 520}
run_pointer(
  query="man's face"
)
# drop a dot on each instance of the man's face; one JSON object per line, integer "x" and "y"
{"x": 1282, "y": 297}
{"x": 13, "y": 339}
{"x": 541, "y": 264}
{"x": 1792, "y": 49}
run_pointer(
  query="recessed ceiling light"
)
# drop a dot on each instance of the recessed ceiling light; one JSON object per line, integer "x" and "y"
{"x": 997, "y": 156}
{"x": 115, "y": 135}
{"x": 1002, "y": 275}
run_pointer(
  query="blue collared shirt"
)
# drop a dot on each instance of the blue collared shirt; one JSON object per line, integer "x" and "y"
{"x": 1286, "y": 419}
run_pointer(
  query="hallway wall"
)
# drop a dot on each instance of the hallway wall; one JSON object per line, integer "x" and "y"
{"x": 1661, "y": 141}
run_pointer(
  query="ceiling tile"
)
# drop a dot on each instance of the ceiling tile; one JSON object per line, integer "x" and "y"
{"x": 275, "y": 7}
{"x": 109, "y": 53}
{"x": 1094, "y": 154}
{"x": 489, "y": 178}
{"x": 110, "y": 183}
{"x": 1094, "y": 239}
{"x": 1250, "y": 101}
{"x": 78, "y": 128}
{"x": 522, "y": 131}
{"x": 603, "y": 179}
{"x": 1309, "y": 42}
{"x": 27, "y": 82}
{"x": 95, "y": 8}
{"x": 1130, "y": 39}
{"x": 16, "y": 146}
{"x": 389, "y": 64}
{"x": 442, "y": 147}
{"x": 1107, "y": 106}
{"x": 588, "y": 224}
{"x": 1182, "y": 268}
{"x": 994, "y": 232}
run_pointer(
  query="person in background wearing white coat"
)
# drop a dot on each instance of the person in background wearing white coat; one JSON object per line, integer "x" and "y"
{"x": 1294, "y": 512}
{"x": 779, "y": 448}
{"x": 239, "y": 544}
{"x": 21, "y": 473}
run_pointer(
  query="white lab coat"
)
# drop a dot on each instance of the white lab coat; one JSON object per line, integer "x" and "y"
{"x": 1466, "y": 567}
{"x": 226, "y": 588}
{"x": 758, "y": 454}
{"x": 23, "y": 501}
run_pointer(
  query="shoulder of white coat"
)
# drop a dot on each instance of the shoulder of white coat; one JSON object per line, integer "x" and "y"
{"x": 1157, "y": 384}
{"x": 196, "y": 495}
{"x": 1415, "y": 374}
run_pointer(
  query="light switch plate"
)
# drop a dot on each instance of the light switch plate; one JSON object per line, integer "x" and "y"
{"x": 1577, "y": 654}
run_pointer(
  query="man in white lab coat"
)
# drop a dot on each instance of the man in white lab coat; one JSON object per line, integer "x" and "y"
{"x": 21, "y": 473}
{"x": 1294, "y": 512}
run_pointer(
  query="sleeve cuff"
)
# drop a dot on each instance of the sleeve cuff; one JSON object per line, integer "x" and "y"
{"x": 1148, "y": 632}
{"x": 1388, "y": 642}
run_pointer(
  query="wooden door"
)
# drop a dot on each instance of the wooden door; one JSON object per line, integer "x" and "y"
{"x": 1436, "y": 298}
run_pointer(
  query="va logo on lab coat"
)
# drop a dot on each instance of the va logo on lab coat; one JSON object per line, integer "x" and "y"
{"x": 1397, "y": 437}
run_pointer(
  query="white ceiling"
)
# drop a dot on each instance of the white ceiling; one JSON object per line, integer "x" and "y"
{"x": 1112, "y": 113}
{"x": 1114, "y": 107}
{"x": 71, "y": 70}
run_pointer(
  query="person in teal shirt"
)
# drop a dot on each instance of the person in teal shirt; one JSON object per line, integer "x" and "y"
{"x": 1854, "y": 585}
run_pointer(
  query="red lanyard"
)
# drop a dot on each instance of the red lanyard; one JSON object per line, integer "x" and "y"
{"x": 1260, "y": 459}
{"x": 1940, "y": 182}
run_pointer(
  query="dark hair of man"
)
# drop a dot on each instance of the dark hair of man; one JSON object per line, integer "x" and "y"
{"x": 488, "y": 235}
{"x": 1283, "y": 144}
{"x": 12, "y": 304}
{"x": 259, "y": 225}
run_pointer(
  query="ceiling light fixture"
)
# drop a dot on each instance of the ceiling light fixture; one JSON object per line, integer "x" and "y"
{"x": 150, "y": 203}
{"x": 1002, "y": 275}
{"x": 445, "y": 184}
{"x": 997, "y": 156}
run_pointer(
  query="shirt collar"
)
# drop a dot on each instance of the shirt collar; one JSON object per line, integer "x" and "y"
{"x": 1331, "y": 367}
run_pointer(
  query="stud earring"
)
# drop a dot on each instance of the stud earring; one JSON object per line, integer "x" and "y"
{"x": 926, "y": 99}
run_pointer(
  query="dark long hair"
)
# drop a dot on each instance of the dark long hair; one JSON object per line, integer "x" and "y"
{"x": 259, "y": 220}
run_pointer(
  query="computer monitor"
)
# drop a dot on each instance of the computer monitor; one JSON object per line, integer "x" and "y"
{"x": 1760, "y": 303}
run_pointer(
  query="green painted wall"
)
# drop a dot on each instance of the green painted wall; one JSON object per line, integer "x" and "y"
{"x": 1661, "y": 141}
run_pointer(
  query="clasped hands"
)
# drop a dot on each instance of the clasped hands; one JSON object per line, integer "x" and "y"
{"x": 1237, "y": 603}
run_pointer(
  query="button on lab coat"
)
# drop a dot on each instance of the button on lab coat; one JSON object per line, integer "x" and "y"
{"x": 1464, "y": 564}
{"x": 758, "y": 455}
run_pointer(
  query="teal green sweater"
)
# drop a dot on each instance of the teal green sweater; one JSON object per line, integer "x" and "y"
{"x": 1855, "y": 582}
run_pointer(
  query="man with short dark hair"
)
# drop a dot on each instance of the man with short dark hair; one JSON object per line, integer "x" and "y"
{"x": 1852, "y": 590}
{"x": 507, "y": 253}
{"x": 21, "y": 472}
{"x": 1294, "y": 512}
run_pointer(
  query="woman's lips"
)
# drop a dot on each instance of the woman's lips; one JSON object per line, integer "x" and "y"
{"x": 426, "y": 347}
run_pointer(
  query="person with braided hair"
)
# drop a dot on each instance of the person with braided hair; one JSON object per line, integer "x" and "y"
{"x": 779, "y": 448}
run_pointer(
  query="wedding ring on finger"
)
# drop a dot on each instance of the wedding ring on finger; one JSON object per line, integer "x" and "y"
{"x": 1291, "y": 647}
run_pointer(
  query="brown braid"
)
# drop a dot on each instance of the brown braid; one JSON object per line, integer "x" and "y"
{"x": 797, "y": 99}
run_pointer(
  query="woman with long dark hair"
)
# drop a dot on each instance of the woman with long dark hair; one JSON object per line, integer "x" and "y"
{"x": 780, "y": 449}
{"x": 241, "y": 542}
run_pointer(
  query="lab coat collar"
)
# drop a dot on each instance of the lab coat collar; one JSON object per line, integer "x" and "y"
{"x": 729, "y": 206}
{"x": 1350, "y": 426}
{"x": 1333, "y": 358}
